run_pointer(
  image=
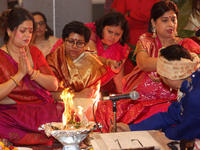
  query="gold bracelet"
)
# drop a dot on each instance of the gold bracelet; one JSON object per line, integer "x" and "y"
{"x": 107, "y": 62}
{"x": 16, "y": 82}
{"x": 38, "y": 71}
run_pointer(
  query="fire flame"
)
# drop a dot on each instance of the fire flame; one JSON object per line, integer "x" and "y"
{"x": 67, "y": 98}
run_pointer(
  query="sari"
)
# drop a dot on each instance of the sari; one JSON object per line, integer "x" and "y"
{"x": 115, "y": 51}
{"x": 86, "y": 71}
{"x": 35, "y": 106}
{"x": 49, "y": 45}
{"x": 154, "y": 97}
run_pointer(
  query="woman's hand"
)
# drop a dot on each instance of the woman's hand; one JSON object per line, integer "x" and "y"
{"x": 85, "y": 93}
{"x": 155, "y": 79}
{"x": 22, "y": 65}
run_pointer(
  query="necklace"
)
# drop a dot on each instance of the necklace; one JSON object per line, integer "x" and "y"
{"x": 9, "y": 51}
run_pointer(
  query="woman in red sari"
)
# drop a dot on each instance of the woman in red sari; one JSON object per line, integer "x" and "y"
{"x": 25, "y": 80}
{"x": 108, "y": 37}
{"x": 154, "y": 96}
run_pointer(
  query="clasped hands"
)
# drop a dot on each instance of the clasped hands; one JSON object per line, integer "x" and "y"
{"x": 24, "y": 66}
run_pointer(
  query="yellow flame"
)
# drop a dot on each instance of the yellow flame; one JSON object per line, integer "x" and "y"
{"x": 67, "y": 98}
{"x": 80, "y": 110}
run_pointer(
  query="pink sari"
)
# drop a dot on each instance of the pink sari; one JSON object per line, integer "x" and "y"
{"x": 35, "y": 106}
{"x": 154, "y": 97}
{"x": 116, "y": 51}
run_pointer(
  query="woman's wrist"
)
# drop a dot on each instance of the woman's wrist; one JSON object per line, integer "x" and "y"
{"x": 31, "y": 72}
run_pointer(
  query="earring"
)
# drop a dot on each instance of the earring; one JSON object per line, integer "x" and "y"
{"x": 176, "y": 33}
{"x": 154, "y": 32}
{"x": 9, "y": 34}
{"x": 46, "y": 30}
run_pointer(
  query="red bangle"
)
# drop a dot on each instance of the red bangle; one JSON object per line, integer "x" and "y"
{"x": 32, "y": 73}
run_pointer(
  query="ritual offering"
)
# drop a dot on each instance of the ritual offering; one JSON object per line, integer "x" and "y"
{"x": 3, "y": 147}
{"x": 74, "y": 128}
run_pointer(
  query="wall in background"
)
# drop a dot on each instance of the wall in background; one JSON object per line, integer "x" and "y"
{"x": 97, "y": 9}
{"x": 64, "y": 10}
{"x": 3, "y": 6}
{"x": 61, "y": 12}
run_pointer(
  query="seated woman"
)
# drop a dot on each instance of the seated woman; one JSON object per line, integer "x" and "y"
{"x": 44, "y": 39}
{"x": 80, "y": 71}
{"x": 182, "y": 119}
{"x": 154, "y": 96}
{"x": 25, "y": 80}
{"x": 108, "y": 38}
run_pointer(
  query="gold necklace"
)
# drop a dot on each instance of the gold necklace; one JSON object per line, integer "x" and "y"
{"x": 9, "y": 51}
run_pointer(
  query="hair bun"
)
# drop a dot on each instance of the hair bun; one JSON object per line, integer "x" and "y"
{"x": 4, "y": 18}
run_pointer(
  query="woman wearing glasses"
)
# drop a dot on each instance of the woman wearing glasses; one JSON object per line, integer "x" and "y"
{"x": 44, "y": 39}
{"x": 75, "y": 68}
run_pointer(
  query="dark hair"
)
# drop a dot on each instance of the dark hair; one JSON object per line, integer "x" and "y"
{"x": 49, "y": 31}
{"x": 159, "y": 9}
{"x": 113, "y": 19}
{"x": 175, "y": 52}
{"x": 12, "y": 18}
{"x": 76, "y": 27}
{"x": 195, "y": 7}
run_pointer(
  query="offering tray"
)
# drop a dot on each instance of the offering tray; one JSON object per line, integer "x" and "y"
{"x": 69, "y": 136}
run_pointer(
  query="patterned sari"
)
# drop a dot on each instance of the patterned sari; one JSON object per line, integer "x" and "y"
{"x": 115, "y": 51}
{"x": 49, "y": 45}
{"x": 85, "y": 72}
{"x": 35, "y": 106}
{"x": 154, "y": 97}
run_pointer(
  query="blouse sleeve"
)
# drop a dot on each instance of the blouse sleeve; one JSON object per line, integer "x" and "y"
{"x": 139, "y": 48}
{"x": 39, "y": 61}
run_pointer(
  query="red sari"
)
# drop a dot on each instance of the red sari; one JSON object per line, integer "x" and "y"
{"x": 35, "y": 106}
{"x": 154, "y": 97}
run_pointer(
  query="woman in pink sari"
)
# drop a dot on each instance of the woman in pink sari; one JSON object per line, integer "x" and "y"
{"x": 154, "y": 96}
{"x": 108, "y": 37}
{"x": 25, "y": 80}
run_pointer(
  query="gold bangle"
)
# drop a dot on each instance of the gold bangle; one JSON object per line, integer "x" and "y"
{"x": 38, "y": 71}
{"x": 107, "y": 62}
{"x": 16, "y": 82}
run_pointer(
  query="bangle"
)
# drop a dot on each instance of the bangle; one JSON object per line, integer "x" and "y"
{"x": 38, "y": 71}
{"x": 107, "y": 62}
{"x": 16, "y": 82}
{"x": 32, "y": 73}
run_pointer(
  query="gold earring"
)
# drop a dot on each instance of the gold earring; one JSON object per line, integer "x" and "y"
{"x": 154, "y": 32}
{"x": 46, "y": 30}
{"x": 9, "y": 34}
